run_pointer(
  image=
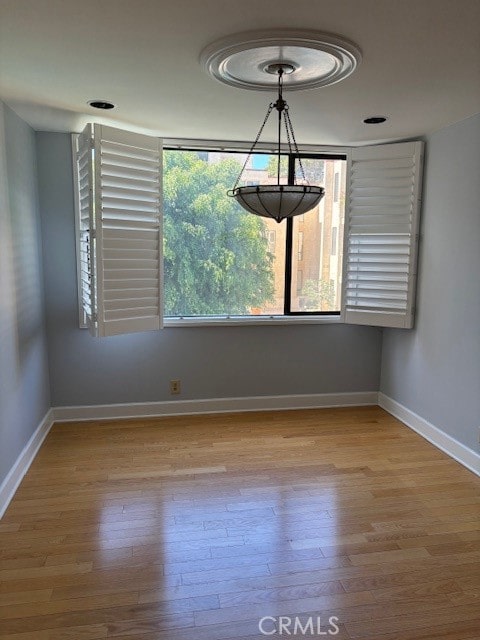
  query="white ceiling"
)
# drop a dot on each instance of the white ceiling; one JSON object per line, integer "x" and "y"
{"x": 421, "y": 66}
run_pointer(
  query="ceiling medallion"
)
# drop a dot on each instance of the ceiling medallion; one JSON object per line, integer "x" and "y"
{"x": 310, "y": 59}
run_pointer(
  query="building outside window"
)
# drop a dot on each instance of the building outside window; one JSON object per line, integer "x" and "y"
{"x": 333, "y": 250}
{"x": 336, "y": 187}
{"x": 300, "y": 246}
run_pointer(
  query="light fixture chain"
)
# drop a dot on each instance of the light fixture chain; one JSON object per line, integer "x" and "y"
{"x": 290, "y": 127}
{"x": 289, "y": 138}
{"x": 269, "y": 111}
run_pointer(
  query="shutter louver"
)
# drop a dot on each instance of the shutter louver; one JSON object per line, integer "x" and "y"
{"x": 128, "y": 231}
{"x": 382, "y": 235}
{"x": 85, "y": 225}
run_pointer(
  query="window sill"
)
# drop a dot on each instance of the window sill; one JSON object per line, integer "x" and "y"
{"x": 247, "y": 321}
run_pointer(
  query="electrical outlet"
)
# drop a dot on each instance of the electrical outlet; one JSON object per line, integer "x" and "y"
{"x": 174, "y": 387}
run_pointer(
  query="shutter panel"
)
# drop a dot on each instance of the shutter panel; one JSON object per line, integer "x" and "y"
{"x": 85, "y": 226}
{"x": 128, "y": 231}
{"x": 381, "y": 235}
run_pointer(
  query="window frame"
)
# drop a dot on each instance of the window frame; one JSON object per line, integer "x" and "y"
{"x": 292, "y": 159}
{"x": 300, "y": 317}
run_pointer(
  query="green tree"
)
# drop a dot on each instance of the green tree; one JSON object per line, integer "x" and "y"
{"x": 318, "y": 295}
{"x": 313, "y": 168}
{"x": 216, "y": 258}
{"x": 272, "y": 168}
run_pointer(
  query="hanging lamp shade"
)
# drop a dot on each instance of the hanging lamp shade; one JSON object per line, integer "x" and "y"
{"x": 278, "y": 201}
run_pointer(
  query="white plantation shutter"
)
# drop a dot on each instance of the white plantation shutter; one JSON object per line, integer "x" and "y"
{"x": 85, "y": 222}
{"x": 125, "y": 232}
{"x": 381, "y": 235}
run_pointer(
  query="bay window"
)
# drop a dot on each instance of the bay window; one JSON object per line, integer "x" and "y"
{"x": 159, "y": 240}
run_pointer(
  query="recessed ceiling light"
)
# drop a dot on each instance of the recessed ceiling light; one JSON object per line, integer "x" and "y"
{"x": 101, "y": 104}
{"x": 375, "y": 120}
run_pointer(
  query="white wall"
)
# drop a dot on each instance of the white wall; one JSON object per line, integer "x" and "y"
{"x": 24, "y": 385}
{"x": 434, "y": 370}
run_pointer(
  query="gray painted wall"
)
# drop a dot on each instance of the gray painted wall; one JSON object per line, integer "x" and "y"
{"x": 218, "y": 362}
{"x": 434, "y": 370}
{"x": 24, "y": 386}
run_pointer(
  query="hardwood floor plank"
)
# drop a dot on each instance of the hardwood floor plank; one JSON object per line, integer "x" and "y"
{"x": 418, "y": 591}
{"x": 83, "y": 632}
{"x": 288, "y": 607}
{"x": 467, "y": 630}
{"x": 45, "y": 571}
{"x": 50, "y": 607}
{"x": 258, "y": 596}
{"x": 24, "y": 597}
{"x": 413, "y": 621}
{"x": 388, "y": 556}
{"x": 416, "y": 575}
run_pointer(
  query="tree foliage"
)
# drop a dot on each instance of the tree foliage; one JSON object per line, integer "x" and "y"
{"x": 318, "y": 295}
{"x": 313, "y": 168}
{"x": 216, "y": 258}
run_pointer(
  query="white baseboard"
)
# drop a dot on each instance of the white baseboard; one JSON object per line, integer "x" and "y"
{"x": 433, "y": 434}
{"x": 214, "y": 405}
{"x": 23, "y": 462}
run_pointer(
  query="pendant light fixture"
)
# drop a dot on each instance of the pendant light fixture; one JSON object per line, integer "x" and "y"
{"x": 278, "y": 201}
{"x": 259, "y": 60}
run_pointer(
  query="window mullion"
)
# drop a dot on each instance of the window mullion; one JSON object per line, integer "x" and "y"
{"x": 289, "y": 244}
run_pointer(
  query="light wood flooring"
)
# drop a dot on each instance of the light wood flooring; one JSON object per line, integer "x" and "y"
{"x": 197, "y": 527}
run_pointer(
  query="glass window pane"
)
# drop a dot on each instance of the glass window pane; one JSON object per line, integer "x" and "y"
{"x": 219, "y": 259}
{"x": 317, "y": 250}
